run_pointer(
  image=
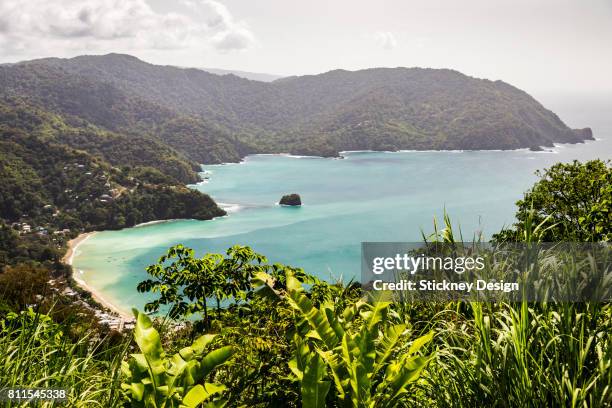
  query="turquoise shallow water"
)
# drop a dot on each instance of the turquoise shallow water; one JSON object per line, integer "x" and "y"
{"x": 364, "y": 197}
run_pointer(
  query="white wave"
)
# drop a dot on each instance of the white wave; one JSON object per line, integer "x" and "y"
{"x": 358, "y": 151}
{"x": 292, "y": 156}
{"x": 144, "y": 224}
{"x": 230, "y": 208}
{"x": 296, "y": 156}
{"x": 547, "y": 150}
{"x": 227, "y": 164}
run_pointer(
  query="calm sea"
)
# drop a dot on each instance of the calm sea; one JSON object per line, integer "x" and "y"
{"x": 364, "y": 197}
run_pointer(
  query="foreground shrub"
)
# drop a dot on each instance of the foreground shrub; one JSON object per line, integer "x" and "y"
{"x": 153, "y": 380}
{"x": 573, "y": 201}
{"x": 361, "y": 351}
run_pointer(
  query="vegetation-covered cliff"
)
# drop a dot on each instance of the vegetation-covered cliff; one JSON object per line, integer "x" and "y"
{"x": 207, "y": 118}
{"x": 50, "y": 192}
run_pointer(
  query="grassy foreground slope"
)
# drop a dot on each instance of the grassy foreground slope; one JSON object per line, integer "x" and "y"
{"x": 281, "y": 343}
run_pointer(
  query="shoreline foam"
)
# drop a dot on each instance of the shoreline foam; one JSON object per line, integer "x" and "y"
{"x": 230, "y": 208}
{"x": 348, "y": 152}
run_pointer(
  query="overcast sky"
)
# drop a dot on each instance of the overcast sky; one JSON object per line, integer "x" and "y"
{"x": 538, "y": 45}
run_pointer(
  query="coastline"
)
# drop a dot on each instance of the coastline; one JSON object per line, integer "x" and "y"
{"x": 144, "y": 224}
{"x": 68, "y": 258}
{"x": 552, "y": 149}
{"x": 73, "y": 244}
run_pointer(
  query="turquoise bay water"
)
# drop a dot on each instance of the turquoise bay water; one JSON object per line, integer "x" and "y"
{"x": 364, "y": 197}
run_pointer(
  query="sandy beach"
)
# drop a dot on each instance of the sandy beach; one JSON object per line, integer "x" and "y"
{"x": 73, "y": 245}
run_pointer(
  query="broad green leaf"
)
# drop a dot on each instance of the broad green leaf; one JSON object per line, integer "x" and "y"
{"x": 293, "y": 366}
{"x": 314, "y": 389}
{"x": 408, "y": 371}
{"x": 163, "y": 390}
{"x": 213, "y": 359}
{"x": 147, "y": 338}
{"x": 312, "y": 334}
{"x": 261, "y": 278}
{"x": 149, "y": 342}
{"x": 201, "y": 393}
{"x": 125, "y": 369}
{"x": 317, "y": 320}
{"x": 137, "y": 390}
{"x": 388, "y": 343}
{"x": 334, "y": 323}
{"x": 351, "y": 311}
{"x": 420, "y": 342}
{"x": 201, "y": 342}
{"x": 298, "y": 364}
{"x": 375, "y": 315}
{"x": 138, "y": 364}
{"x": 338, "y": 370}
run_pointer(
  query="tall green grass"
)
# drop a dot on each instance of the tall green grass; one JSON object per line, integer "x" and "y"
{"x": 35, "y": 353}
{"x": 520, "y": 354}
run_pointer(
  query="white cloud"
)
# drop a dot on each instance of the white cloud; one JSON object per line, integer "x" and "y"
{"x": 386, "y": 40}
{"x": 229, "y": 35}
{"x": 236, "y": 39}
{"x": 37, "y": 26}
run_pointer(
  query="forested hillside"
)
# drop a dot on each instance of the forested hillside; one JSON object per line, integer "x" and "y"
{"x": 116, "y": 148}
{"x": 99, "y": 142}
{"x": 209, "y": 118}
{"x": 94, "y": 104}
{"x": 50, "y": 192}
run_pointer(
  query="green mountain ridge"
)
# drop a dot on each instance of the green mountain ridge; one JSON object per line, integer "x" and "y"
{"x": 87, "y": 103}
{"x": 211, "y": 118}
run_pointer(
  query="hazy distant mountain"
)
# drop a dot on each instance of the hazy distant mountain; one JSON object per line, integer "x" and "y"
{"x": 198, "y": 116}
{"x": 253, "y": 76}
